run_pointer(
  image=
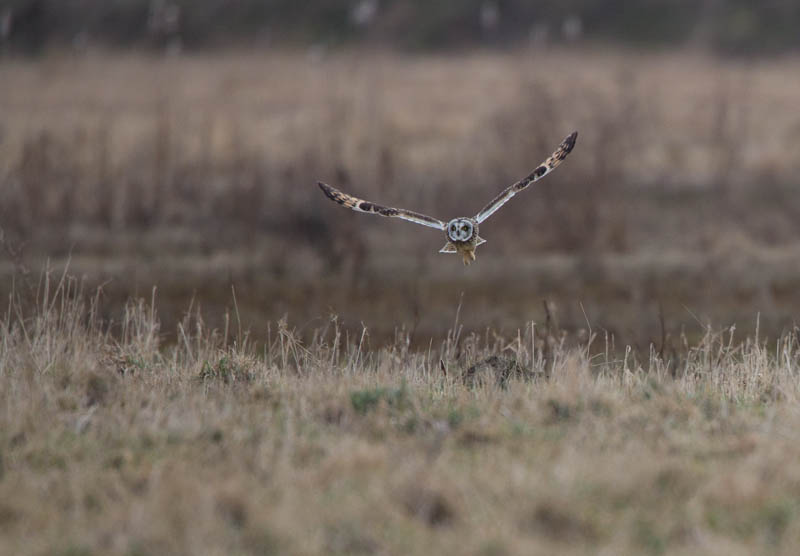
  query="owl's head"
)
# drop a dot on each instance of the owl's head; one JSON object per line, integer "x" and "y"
{"x": 460, "y": 229}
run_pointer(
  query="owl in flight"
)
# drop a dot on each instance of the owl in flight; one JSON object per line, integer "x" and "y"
{"x": 462, "y": 232}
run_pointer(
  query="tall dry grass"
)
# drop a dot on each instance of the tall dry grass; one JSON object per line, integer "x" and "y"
{"x": 113, "y": 442}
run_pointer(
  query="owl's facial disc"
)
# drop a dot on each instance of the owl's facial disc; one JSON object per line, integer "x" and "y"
{"x": 460, "y": 229}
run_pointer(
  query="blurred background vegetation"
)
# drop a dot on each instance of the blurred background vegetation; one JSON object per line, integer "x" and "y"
{"x": 163, "y": 155}
{"x": 727, "y": 26}
{"x": 176, "y": 144}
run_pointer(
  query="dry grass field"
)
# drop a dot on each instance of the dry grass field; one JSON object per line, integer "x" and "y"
{"x": 113, "y": 443}
{"x": 200, "y": 354}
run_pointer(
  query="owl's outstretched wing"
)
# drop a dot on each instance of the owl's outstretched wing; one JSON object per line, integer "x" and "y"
{"x": 361, "y": 205}
{"x": 544, "y": 168}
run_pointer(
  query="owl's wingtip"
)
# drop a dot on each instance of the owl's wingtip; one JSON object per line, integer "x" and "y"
{"x": 329, "y": 191}
{"x": 569, "y": 142}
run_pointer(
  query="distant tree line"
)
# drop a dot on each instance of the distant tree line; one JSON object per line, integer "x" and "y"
{"x": 730, "y": 26}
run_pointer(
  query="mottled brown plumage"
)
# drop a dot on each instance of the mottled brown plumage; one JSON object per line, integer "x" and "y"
{"x": 541, "y": 171}
{"x": 361, "y": 205}
{"x": 461, "y": 233}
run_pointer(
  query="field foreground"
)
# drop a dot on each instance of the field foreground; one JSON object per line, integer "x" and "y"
{"x": 115, "y": 444}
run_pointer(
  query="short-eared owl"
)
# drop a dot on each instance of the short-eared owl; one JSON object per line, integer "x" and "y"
{"x": 462, "y": 232}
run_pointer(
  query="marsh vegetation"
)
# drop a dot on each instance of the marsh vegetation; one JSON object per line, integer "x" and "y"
{"x": 113, "y": 442}
{"x": 201, "y": 354}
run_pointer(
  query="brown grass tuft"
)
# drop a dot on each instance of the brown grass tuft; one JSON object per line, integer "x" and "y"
{"x": 333, "y": 447}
